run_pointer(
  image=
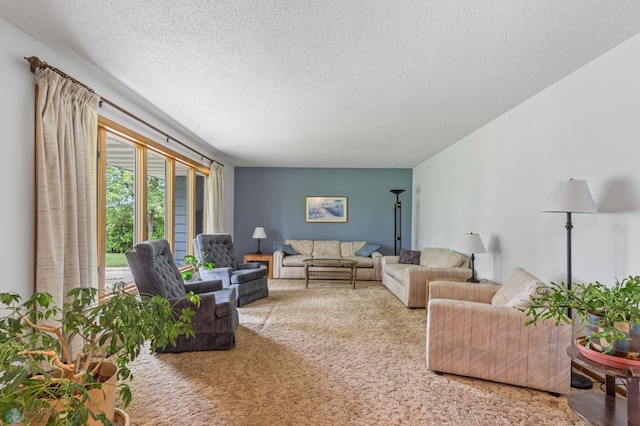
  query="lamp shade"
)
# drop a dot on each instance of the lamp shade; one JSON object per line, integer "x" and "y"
{"x": 570, "y": 196}
{"x": 259, "y": 232}
{"x": 472, "y": 243}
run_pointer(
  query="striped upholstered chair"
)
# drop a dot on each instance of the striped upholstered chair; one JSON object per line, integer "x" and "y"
{"x": 475, "y": 330}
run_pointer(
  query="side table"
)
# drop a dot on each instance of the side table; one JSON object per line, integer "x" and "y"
{"x": 607, "y": 409}
{"x": 260, "y": 258}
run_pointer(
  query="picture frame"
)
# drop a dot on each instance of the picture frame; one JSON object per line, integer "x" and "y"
{"x": 326, "y": 209}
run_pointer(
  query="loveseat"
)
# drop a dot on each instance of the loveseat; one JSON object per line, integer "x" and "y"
{"x": 408, "y": 281}
{"x": 288, "y": 258}
{"x": 476, "y": 330}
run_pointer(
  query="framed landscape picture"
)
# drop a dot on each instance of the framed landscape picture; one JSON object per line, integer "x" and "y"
{"x": 326, "y": 209}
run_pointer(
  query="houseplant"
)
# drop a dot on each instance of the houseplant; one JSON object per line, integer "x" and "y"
{"x": 51, "y": 356}
{"x": 194, "y": 263}
{"x": 607, "y": 313}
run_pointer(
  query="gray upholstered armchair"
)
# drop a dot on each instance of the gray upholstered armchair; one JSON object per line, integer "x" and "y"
{"x": 248, "y": 279}
{"x": 214, "y": 323}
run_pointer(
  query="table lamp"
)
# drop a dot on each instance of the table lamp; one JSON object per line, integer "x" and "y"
{"x": 258, "y": 234}
{"x": 472, "y": 243}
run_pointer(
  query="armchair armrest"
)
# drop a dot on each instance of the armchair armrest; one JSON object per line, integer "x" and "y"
{"x": 205, "y": 315}
{"x": 222, "y": 274}
{"x": 473, "y": 292}
{"x": 199, "y": 287}
{"x": 251, "y": 265}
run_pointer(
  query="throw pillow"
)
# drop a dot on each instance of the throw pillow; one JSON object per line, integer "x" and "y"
{"x": 286, "y": 248}
{"x": 367, "y": 249}
{"x": 410, "y": 257}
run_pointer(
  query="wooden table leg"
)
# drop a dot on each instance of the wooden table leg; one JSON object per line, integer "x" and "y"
{"x": 633, "y": 396}
{"x": 610, "y": 385}
{"x": 353, "y": 276}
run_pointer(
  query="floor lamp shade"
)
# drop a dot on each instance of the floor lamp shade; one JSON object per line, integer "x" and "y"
{"x": 472, "y": 243}
{"x": 258, "y": 234}
{"x": 570, "y": 196}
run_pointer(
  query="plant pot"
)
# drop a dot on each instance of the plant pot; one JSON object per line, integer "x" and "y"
{"x": 100, "y": 399}
{"x": 605, "y": 359}
{"x": 629, "y": 348}
{"x": 121, "y": 418}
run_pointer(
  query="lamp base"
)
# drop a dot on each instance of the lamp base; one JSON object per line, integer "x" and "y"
{"x": 578, "y": 381}
{"x": 473, "y": 280}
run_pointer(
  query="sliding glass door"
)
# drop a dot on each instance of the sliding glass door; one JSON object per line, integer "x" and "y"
{"x": 145, "y": 192}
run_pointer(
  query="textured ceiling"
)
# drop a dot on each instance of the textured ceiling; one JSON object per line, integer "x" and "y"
{"x": 330, "y": 83}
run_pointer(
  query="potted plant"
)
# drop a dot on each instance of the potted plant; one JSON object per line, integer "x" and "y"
{"x": 55, "y": 361}
{"x": 194, "y": 263}
{"x": 609, "y": 314}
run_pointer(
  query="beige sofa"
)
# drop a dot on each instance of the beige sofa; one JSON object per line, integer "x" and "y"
{"x": 475, "y": 330}
{"x": 292, "y": 265}
{"x": 408, "y": 282}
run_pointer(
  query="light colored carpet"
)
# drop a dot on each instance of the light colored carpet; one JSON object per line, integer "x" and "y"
{"x": 328, "y": 355}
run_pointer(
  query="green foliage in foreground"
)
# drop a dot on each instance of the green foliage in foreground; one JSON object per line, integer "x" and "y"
{"x": 36, "y": 358}
{"x": 610, "y": 307}
{"x": 194, "y": 264}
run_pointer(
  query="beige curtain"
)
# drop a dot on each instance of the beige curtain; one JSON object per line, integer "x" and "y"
{"x": 215, "y": 204}
{"x": 66, "y": 137}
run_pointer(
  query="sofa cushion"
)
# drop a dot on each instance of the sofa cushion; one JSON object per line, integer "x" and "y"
{"x": 285, "y": 248}
{"x": 349, "y": 248}
{"x": 362, "y": 262}
{"x": 518, "y": 289}
{"x": 301, "y": 246}
{"x": 323, "y": 248}
{"x": 441, "y": 258}
{"x": 367, "y": 249}
{"x": 410, "y": 257}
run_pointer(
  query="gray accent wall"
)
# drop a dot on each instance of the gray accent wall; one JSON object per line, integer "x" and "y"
{"x": 275, "y": 199}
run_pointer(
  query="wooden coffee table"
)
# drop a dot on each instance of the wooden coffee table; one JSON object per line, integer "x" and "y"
{"x": 330, "y": 269}
{"x": 606, "y": 409}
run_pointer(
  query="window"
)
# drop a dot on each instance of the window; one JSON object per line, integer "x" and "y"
{"x": 145, "y": 191}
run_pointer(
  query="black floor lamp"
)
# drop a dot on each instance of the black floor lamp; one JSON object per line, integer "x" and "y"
{"x": 397, "y": 221}
{"x": 571, "y": 196}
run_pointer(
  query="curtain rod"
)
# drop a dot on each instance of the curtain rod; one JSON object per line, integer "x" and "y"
{"x": 35, "y": 62}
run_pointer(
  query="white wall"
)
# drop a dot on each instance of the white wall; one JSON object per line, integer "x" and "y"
{"x": 496, "y": 181}
{"x": 17, "y": 141}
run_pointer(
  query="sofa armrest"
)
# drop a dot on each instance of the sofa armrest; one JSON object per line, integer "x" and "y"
{"x": 473, "y": 292}
{"x": 492, "y": 343}
{"x": 448, "y": 273}
{"x": 276, "y": 267}
{"x": 377, "y": 264}
{"x": 387, "y": 260}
